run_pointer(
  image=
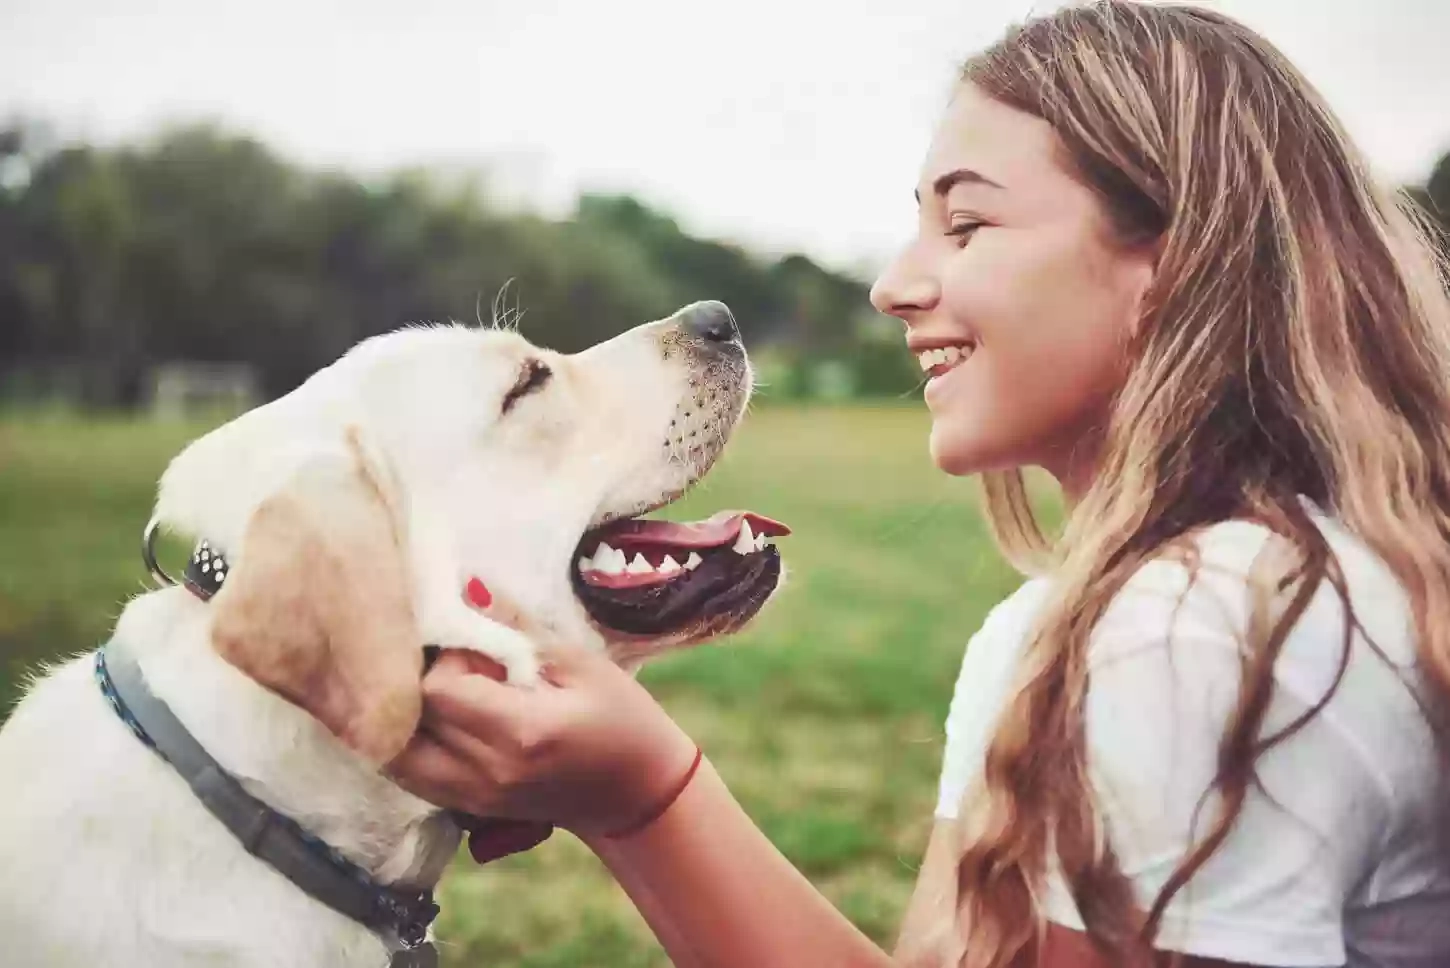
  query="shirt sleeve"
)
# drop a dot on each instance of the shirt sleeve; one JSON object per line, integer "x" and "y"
{"x": 983, "y": 684}
{"x": 1165, "y": 675}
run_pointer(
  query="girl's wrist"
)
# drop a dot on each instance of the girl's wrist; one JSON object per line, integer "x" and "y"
{"x": 654, "y": 781}
{"x": 662, "y": 804}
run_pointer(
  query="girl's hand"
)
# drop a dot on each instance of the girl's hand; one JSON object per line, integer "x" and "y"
{"x": 589, "y": 751}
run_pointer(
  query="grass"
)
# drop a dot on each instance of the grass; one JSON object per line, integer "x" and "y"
{"x": 824, "y": 717}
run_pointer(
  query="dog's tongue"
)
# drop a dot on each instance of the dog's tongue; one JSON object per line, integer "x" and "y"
{"x": 719, "y": 529}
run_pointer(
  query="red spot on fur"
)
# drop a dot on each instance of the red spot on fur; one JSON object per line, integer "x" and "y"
{"x": 479, "y": 594}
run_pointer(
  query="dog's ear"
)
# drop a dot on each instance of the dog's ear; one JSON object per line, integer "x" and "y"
{"x": 317, "y": 605}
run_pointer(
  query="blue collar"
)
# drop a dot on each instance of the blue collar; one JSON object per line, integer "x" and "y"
{"x": 401, "y": 919}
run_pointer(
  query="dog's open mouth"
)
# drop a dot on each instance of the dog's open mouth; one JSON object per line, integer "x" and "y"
{"x": 648, "y": 577}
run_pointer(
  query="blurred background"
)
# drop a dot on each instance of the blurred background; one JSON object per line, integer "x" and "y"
{"x": 202, "y": 203}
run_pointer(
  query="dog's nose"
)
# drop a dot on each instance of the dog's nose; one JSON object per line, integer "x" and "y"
{"x": 710, "y": 321}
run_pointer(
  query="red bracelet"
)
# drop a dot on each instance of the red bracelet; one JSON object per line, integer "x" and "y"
{"x": 659, "y": 810}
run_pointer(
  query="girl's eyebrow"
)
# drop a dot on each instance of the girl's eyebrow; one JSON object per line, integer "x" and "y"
{"x": 945, "y": 182}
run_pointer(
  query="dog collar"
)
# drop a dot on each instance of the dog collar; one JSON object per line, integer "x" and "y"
{"x": 400, "y": 918}
{"x": 206, "y": 571}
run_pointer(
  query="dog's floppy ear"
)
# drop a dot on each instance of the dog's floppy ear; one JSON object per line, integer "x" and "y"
{"x": 317, "y": 606}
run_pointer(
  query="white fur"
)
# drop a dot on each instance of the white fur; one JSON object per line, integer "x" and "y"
{"x": 106, "y": 858}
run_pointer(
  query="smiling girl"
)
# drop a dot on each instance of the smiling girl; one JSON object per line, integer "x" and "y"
{"x": 1211, "y": 727}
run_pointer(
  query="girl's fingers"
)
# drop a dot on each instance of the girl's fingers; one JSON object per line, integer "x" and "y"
{"x": 479, "y": 705}
{"x": 431, "y": 770}
{"x": 455, "y": 662}
{"x": 486, "y": 765}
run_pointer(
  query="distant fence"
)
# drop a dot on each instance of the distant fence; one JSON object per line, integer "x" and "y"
{"x": 181, "y": 388}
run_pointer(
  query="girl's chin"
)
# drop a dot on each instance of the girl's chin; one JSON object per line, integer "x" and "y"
{"x": 955, "y": 456}
{"x": 962, "y": 454}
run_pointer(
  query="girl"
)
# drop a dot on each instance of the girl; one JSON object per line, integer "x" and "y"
{"x": 1210, "y": 728}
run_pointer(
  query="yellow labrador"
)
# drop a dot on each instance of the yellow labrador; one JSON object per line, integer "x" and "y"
{"x": 344, "y": 525}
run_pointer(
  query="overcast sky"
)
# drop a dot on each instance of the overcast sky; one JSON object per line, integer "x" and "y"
{"x": 776, "y": 123}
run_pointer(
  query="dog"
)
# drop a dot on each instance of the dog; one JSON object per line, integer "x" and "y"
{"x": 341, "y": 530}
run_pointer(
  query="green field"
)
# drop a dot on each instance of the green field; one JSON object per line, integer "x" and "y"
{"x": 824, "y": 718}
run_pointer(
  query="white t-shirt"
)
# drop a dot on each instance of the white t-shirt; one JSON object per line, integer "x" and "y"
{"x": 1352, "y": 866}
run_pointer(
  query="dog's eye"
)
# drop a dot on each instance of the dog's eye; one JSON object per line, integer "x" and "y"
{"x": 533, "y": 376}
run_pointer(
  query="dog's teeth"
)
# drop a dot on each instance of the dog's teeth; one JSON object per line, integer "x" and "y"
{"x": 744, "y": 544}
{"x": 608, "y": 560}
{"x": 761, "y": 541}
{"x": 669, "y": 566}
{"x": 693, "y": 562}
{"x": 639, "y": 566}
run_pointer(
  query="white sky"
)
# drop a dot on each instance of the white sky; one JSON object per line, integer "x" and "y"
{"x": 776, "y": 123}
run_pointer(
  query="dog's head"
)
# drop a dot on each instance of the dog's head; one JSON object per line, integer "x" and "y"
{"x": 492, "y": 459}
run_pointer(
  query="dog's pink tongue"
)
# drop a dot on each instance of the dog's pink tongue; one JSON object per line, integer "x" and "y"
{"x": 716, "y": 530}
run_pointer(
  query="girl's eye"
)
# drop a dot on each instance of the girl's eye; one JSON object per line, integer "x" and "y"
{"x": 963, "y": 231}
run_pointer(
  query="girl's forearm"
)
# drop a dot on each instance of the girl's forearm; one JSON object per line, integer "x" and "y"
{"x": 682, "y": 953}
{"x": 718, "y": 894}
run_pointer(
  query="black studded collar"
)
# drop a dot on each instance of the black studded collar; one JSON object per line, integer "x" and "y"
{"x": 206, "y": 571}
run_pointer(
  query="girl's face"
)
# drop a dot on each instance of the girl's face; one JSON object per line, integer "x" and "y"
{"x": 1018, "y": 290}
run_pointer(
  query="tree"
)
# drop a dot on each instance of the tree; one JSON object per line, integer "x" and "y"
{"x": 204, "y": 244}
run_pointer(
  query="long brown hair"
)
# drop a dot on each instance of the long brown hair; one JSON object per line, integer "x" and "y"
{"x": 1295, "y": 342}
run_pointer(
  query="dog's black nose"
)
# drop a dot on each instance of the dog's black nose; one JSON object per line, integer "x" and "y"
{"x": 710, "y": 321}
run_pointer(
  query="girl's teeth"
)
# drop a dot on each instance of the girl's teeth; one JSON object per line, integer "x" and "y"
{"x": 945, "y": 356}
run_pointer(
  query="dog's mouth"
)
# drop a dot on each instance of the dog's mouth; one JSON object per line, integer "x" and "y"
{"x": 646, "y": 577}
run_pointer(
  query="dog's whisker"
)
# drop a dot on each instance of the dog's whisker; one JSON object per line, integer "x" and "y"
{"x": 504, "y": 317}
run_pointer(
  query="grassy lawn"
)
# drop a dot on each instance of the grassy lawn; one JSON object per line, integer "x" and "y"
{"x": 824, "y": 718}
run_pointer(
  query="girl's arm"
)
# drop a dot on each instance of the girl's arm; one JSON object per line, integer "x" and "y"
{"x": 594, "y": 754}
{"x": 718, "y": 894}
